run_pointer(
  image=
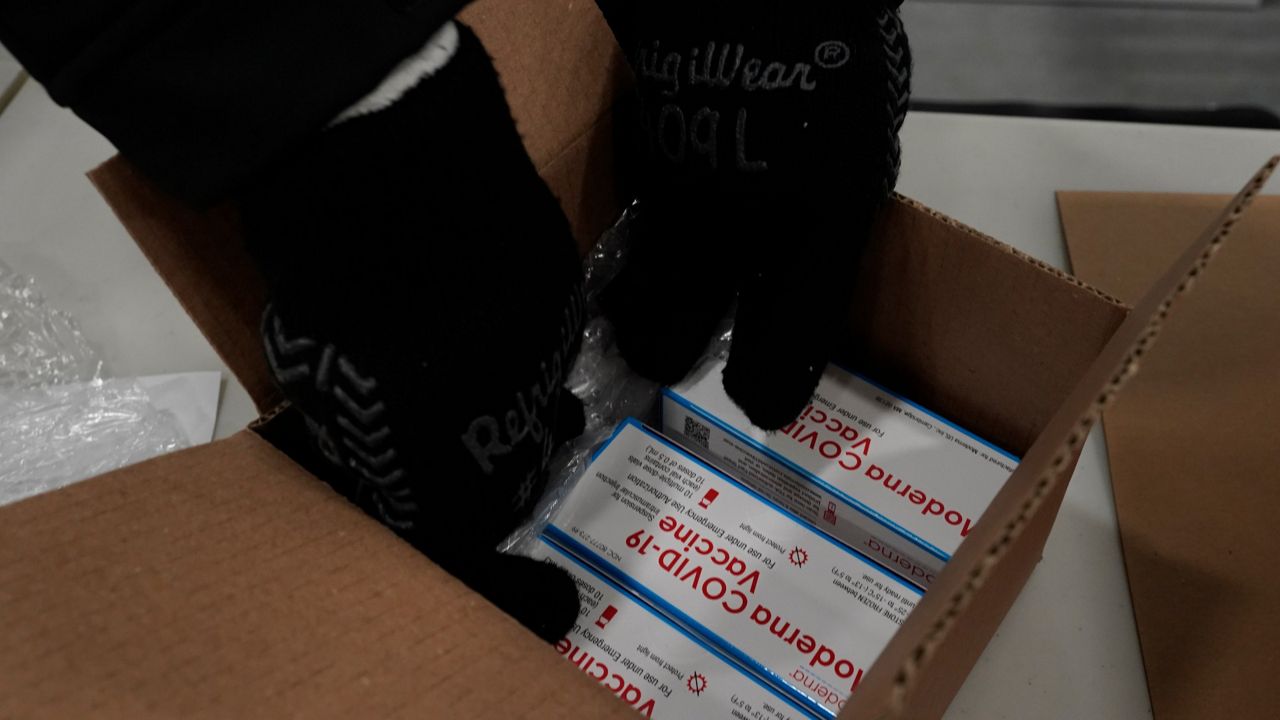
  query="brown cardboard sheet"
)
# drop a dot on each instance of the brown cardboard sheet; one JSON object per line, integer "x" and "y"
{"x": 1194, "y": 446}
{"x": 226, "y": 582}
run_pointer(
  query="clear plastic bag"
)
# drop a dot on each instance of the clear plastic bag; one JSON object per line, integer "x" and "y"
{"x": 39, "y": 345}
{"x": 54, "y": 436}
{"x": 610, "y": 391}
{"x": 59, "y": 422}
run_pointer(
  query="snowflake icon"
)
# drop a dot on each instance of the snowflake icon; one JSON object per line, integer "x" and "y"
{"x": 697, "y": 683}
{"x": 798, "y": 557}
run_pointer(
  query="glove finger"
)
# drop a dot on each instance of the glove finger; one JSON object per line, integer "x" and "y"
{"x": 788, "y": 319}
{"x": 541, "y": 597}
{"x": 676, "y": 287}
{"x": 571, "y": 418}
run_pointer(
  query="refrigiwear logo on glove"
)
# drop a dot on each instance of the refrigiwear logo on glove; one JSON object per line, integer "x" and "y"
{"x": 724, "y": 65}
{"x": 681, "y": 134}
{"x": 832, "y": 55}
{"x": 529, "y": 420}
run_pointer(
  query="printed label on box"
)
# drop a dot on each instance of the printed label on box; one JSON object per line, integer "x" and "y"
{"x": 880, "y": 474}
{"x": 789, "y": 603}
{"x": 650, "y": 663}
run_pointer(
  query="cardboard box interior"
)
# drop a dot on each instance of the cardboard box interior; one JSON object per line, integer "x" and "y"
{"x": 226, "y": 579}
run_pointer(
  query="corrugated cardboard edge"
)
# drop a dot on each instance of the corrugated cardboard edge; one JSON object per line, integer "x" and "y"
{"x": 906, "y": 666}
{"x": 1036, "y": 262}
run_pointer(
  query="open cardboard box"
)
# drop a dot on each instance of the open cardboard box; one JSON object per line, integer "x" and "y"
{"x": 225, "y": 580}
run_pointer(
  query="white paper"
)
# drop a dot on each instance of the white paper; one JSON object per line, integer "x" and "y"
{"x": 191, "y": 397}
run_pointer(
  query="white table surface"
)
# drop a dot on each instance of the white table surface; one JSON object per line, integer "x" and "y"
{"x": 56, "y": 228}
{"x": 1068, "y": 648}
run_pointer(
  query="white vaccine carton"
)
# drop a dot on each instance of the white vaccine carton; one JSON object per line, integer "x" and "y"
{"x": 657, "y": 667}
{"x": 882, "y": 475}
{"x": 784, "y": 601}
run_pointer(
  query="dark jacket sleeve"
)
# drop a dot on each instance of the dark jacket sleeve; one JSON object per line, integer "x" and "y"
{"x": 617, "y": 14}
{"x": 200, "y": 94}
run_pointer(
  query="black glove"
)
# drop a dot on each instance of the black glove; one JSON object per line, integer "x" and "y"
{"x": 426, "y": 308}
{"x": 769, "y": 138}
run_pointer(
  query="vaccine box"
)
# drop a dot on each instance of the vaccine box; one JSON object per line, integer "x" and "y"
{"x": 877, "y": 472}
{"x": 786, "y": 602}
{"x": 657, "y": 667}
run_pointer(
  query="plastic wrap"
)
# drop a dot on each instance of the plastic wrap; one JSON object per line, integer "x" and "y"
{"x": 60, "y": 423}
{"x": 610, "y": 391}
{"x": 39, "y": 345}
{"x": 51, "y": 437}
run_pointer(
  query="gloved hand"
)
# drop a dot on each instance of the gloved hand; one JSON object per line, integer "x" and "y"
{"x": 426, "y": 308}
{"x": 769, "y": 138}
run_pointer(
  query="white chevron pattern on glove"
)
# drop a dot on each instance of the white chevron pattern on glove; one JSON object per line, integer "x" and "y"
{"x": 356, "y": 435}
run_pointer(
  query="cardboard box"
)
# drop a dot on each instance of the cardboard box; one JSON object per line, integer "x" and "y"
{"x": 881, "y": 474}
{"x": 226, "y": 580}
{"x": 784, "y": 600}
{"x": 650, "y": 662}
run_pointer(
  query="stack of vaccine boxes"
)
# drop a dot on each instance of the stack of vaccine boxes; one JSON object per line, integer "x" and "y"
{"x": 710, "y": 587}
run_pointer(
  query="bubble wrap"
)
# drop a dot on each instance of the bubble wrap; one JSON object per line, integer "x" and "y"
{"x": 608, "y": 388}
{"x": 51, "y": 437}
{"x": 60, "y": 423}
{"x": 38, "y": 345}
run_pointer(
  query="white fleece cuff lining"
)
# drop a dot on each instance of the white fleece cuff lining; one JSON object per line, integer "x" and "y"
{"x": 437, "y": 53}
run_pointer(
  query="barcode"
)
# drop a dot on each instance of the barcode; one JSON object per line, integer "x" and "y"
{"x": 697, "y": 432}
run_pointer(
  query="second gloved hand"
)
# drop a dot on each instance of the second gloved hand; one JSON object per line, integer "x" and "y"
{"x": 426, "y": 308}
{"x": 768, "y": 139}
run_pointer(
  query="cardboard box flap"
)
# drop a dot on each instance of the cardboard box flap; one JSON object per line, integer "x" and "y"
{"x": 559, "y": 65}
{"x": 972, "y": 328}
{"x": 562, "y": 71}
{"x": 920, "y": 671}
{"x": 225, "y": 581}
